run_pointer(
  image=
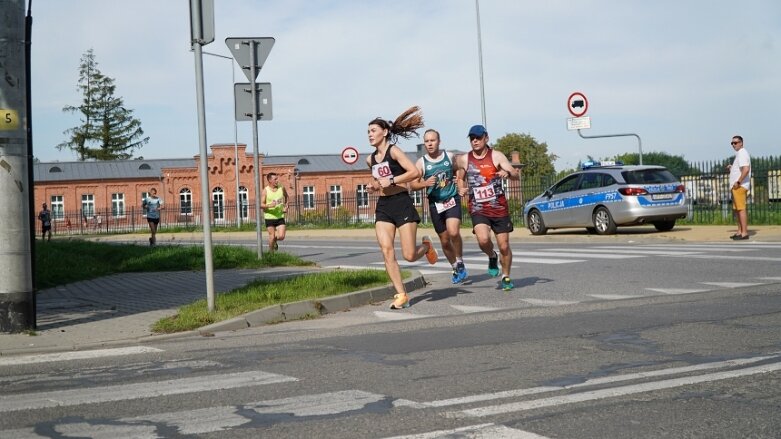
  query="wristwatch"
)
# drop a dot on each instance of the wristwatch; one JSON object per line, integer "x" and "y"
{"x": 392, "y": 181}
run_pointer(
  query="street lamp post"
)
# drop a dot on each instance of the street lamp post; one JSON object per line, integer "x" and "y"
{"x": 480, "y": 61}
{"x": 235, "y": 139}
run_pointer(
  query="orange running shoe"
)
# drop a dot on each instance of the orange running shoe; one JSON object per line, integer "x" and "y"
{"x": 400, "y": 301}
{"x": 431, "y": 253}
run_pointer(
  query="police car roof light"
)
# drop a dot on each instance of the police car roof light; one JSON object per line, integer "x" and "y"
{"x": 597, "y": 164}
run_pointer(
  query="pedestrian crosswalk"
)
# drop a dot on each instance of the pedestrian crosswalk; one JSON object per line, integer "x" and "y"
{"x": 245, "y": 418}
{"x": 557, "y": 255}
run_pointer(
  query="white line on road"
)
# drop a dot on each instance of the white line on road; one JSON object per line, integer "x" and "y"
{"x": 676, "y": 290}
{"x": 122, "y": 392}
{"x": 210, "y": 419}
{"x": 615, "y": 392}
{"x": 78, "y": 355}
{"x": 385, "y": 315}
{"x": 732, "y": 284}
{"x": 546, "y": 253}
{"x": 612, "y": 296}
{"x": 471, "y": 309}
{"x": 733, "y": 257}
{"x": 625, "y": 250}
{"x": 697, "y": 247}
{"x": 481, "y": 431}
{"x": 543, "y": 302}
{"x": 592, "y": 382}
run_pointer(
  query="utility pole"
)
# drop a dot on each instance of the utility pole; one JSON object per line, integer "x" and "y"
{"x": 17, "y": 312}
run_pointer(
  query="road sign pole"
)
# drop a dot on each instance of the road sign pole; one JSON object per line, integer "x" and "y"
{"x": 204, "y": 158}
{"x": 256, "y": 155}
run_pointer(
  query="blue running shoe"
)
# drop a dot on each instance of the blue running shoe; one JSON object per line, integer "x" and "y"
{"x": 461, "y": 269}
{"x": 456, "y": 277}
{"x": 507, "y": 283}
{"x": 493, "y": 265}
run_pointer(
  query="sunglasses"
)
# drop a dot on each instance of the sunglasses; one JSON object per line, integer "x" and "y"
{"x": 733, "y": 143}
{"x": 473, "y": 137}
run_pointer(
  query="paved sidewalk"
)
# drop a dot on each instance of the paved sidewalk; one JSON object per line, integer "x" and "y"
{"x": 120, "y": 309}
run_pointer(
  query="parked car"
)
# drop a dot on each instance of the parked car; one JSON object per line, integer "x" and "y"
{"x": 603, "y": 196}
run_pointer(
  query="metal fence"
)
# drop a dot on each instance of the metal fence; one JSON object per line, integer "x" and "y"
{"x": 707, "y": 187}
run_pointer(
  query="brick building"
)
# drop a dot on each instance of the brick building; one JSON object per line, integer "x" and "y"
{"x": 107, "y": 195}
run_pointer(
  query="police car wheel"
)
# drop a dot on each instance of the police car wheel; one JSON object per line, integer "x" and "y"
{"x": 536, "y": 224}
{"x": 603, "y": 221}
{"x": 664, "y": 226}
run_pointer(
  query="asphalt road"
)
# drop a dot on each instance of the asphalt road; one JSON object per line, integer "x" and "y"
{"x": 588, "y": 348}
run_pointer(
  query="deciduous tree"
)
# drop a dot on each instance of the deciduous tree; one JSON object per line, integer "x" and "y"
{"x": 535, "y": 155}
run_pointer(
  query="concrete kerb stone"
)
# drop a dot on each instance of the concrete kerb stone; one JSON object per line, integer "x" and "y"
{"x": 313, "y": 307}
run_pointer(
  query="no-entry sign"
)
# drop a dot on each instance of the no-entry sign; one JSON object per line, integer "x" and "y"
{"x": 350, "y": 155}
{"x": 577, "y": 104}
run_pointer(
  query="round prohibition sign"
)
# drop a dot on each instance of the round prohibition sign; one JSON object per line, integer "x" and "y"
{"x": 577, "y": 104}
{"x": 350, "y": 155}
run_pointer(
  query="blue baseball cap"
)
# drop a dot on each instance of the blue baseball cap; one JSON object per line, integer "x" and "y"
{"x": 477, "y": 130}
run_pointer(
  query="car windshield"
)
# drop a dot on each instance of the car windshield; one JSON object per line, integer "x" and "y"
{"x": 649, "y": 176}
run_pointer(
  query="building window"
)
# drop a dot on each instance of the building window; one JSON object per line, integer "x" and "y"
{"x": 417, "y": 197}
{"x": 117, "y": 205}
{"x": 185, "y": 202}
{"x": 87, "y": 205}
{"x": 361, "y": 196}
{"x": 244, "y": 202}
{"x": 309, "y": 197}
{"x": 335, "y": 195}
{"x": 218, "y": 204}
{"x": 58, "y": 207}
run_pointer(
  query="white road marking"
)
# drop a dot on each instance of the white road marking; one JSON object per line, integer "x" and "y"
{"x": 625, "y": 250}
{"x": 677, "y": 290}
{"x": 612, "y": 296}
{"x": 697, "y": 247}
{"x": 770, "y": 278}
{"x": 212, "y": 419}
{"x": 122, "y": 392}
{"x": 547, "y": 253}
{"x": 470, "y": 309}
{"x": 481, "y": 431}
{"x": 734, "y": 257}
{"x": 732, "y": 284}
{"x": 615, "y": 392}
{"x": 545, "y": 261}
{"x": 388, "y": 315}
{"x": 592, "y": 382}
{"x": 542, "y": 302}
{"x": 77, "y": 355}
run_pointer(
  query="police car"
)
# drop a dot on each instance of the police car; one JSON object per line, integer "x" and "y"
{"x": 605, "y": 195}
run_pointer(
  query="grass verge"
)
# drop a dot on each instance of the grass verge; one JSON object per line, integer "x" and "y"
{"x": 260, "y": 294}
{"x": 64, "y": 261}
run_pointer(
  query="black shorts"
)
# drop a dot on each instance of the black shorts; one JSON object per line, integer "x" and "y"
{"x": 397, "y": 209}
{"x": 439, "y": 220}
{"x": 275, "y": 222}
{"x": 502, "y": 224}
{"x": 154, "y": 221}
{"x": 47, "y": 228}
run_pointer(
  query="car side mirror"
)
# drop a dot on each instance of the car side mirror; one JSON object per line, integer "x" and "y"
{"x": 548, "y": 193}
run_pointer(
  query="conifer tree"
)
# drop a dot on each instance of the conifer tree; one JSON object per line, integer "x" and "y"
{"x": 108, "y": 130}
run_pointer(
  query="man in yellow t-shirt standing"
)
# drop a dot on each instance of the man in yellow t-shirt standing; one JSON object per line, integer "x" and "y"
{"x": 273, "y": 201}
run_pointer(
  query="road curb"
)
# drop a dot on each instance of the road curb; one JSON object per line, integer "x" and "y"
{"x": 313, "y": 307}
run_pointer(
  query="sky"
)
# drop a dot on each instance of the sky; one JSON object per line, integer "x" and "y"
{"x": 684, "y": 76}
